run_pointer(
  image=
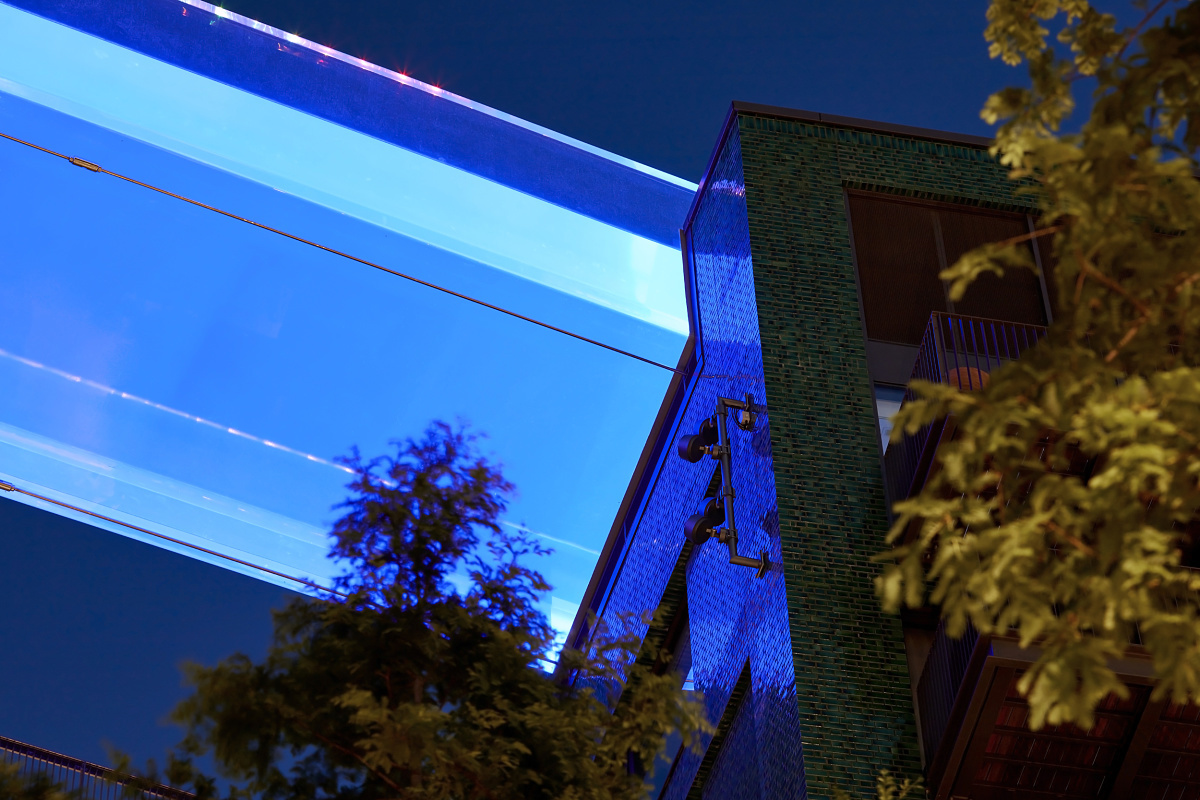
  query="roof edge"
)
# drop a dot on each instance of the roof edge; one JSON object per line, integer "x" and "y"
{"x": 726, "y": 126}
{"x": 874, "y": 126}
{"x": 437, "y": 91}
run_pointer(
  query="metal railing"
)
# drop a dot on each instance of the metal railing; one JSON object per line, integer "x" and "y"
{"x": 79, "y": 779}
{"x": 945, "y": 668}
{"x": 962, "y": 351}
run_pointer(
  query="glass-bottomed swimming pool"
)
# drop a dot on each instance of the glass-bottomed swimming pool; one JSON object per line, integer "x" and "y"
{"x": 188, "y": 373}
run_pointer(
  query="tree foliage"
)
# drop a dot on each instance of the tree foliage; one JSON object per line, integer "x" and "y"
{"x": 13, "y": 786}
{"x": 889, "y": 787}
{"x": 1081, "y": 565}
{"x": 422, "y": 681}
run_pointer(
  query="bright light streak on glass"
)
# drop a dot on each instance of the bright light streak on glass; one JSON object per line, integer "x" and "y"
{"x": 400, "y": 77}
{"x": 550, "y": 538}
{"x": 167, "y": 409}
{"x": 887, "y": 402}
{"x": 336, "y": 167}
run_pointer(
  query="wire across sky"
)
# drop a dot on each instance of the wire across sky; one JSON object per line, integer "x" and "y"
{"x": 93, "y": 167}
{"x": 96, "y": 168}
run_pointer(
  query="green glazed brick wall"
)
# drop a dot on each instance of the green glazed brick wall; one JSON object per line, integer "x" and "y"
{"x": 852, "y": 680}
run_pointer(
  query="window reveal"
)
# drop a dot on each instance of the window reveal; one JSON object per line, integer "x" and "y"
{"x": 901, "y": 246}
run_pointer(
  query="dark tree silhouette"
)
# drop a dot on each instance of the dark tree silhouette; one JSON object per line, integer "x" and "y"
{"x": 423, "y": 681}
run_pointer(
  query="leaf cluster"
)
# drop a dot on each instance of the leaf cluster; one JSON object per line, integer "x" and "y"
{"x": 889, "y": 787}
{"x": 13, "y": 786}
{"x": 1064, "y": 506}
{"x": 423, "y": 680}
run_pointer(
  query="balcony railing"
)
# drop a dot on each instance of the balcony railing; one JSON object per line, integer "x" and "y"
{"x": 80, "y": 779}
{"x": 948, "y": 664}
{"x": 961, "y": 351}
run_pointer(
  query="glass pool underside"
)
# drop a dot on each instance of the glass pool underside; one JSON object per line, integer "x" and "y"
{"x": 194, "y": 375}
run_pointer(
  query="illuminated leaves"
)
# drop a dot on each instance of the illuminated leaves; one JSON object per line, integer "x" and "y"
{"x": 889, "y": 787}
{"x": 1061, "y": 510}
{"x": 14, "y": 787}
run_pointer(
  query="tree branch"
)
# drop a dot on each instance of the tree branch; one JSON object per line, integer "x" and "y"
{"x": 1129, "y": 334}
{"x": 1025, "y": 237}
{"x": 1190, "y": 279}
{"x": 1086, "y": 266}
{"x": 1074, "y": 541}
{"x": 346, "y": 751}
{"x": 1136, "y": 29}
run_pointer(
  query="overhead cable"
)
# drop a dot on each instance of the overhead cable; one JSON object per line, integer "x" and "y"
{"x": 92, "y": 167}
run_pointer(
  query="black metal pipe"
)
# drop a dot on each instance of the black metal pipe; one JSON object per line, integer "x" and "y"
{"x": 729, "y": 534}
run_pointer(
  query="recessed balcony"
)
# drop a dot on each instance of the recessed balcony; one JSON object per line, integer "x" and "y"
{"x": 961, "y": 351}
{"x": 974, "y": 723}
{"x": 978, "y": 745}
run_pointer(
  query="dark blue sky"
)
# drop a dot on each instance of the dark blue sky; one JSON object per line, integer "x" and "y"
{"x": 652, "y": 80}
{"x": 94, "y": 626}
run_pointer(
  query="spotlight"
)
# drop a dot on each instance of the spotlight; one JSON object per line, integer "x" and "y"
{"x": 691, "y": 448}
{"x": 712, "y": 439}
{"x": 700, "y": 527}
{"x": 746, "y": 417}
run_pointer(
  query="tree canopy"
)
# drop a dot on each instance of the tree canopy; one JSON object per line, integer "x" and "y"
{"x": 422, "y": 680}
{"x": 1013, "y": 536}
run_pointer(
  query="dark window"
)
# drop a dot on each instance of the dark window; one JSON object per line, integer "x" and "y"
{"x": 896, "y": 248}
{"x": 741, "y": 691}
{"x": 1017, "y": 297}
{"x": 901, "y": 246}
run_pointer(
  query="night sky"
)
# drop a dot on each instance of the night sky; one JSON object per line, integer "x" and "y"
{"x": 652, "y": 81}
{"x": 89, "y": 646}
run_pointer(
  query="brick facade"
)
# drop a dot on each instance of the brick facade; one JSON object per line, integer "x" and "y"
{"x": 776, "y": 313}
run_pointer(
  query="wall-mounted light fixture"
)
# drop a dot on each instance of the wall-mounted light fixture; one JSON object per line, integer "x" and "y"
{"x": 712, "y": 439}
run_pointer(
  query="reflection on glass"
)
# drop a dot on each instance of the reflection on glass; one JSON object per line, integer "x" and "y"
{"x": 887, "y": 403}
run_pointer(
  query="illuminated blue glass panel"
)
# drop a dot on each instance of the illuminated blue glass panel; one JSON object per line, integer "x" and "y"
{"x": 182, "y": 371}
{"x": 394, "y": 108}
